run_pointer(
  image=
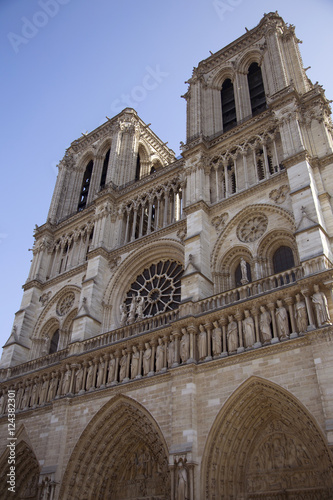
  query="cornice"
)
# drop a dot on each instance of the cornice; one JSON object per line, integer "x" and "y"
{"x": 57, "y": 279}
{"x": 194, "y": 207}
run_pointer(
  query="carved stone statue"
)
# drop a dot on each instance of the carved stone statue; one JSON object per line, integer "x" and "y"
{"x": 216, "y": 339}
{"x": 90, "y": 383}
{"x": 53, "y": 385}
{"x": 135, "y": 362}
{"x": 112, "y": 369}
{"x": 26, "y": 395}
{"x": 159, "y": 355}
{"x": 66, "y": 383}
{"x": 131, "y": 315}
{"x": 321, "y": 308}
{"x": 34, "y": 393}
{"x": 248, "y": 329}
{"x": 123, "y": 314}
{"x": 43, "y": 392}
{"x": 202, "y": 342}
{"x": 301, "y": 314}
{"x": 243, "y": 267}
{"x": 232, "y": 334}
{"x": 185, "y": 346}
{"x": 140, "y": 302}
{"x": 78, "y": 379}
{"x": 265, "y": 324}
{"x": 100, "y": 374}
{"x": 122, "y": 364}
{"x": 282, "y": 320}
{"x": 146, "y": 359}
{"x": 171, "y": 352}
{"x": 181, "y": 482}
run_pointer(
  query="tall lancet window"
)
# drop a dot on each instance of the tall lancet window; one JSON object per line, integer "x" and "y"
{"x": 256, "y": 88}
{"x": 138, "y": 168}
{"x": 105, "y": 169}
{"x": 229, "y": 118}
{"x": 85, "y": 186}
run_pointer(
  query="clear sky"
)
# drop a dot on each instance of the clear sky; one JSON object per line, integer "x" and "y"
{"x": 66, "y": 64}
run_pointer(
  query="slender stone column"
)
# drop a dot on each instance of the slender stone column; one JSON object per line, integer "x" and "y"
{"x": 153, "y": 344}
{"x": 266, "y": 161}
{"x": 192, "y": 329}
{"x": 134, "y": 223}
{"x": 239, "y": 316}
{"x": 217, "y": 182}
{"x": 255, "y": 314}
{"x": 289, "y": 301}
{"x": 246, "y": 175}
{"x": 271, "y": 307}
{"x": 141, "y": 220}
{"x": 149, "y": 216}
{"x": 176, "y": 335}
{"x": 208, "y": 328}
{"x": 305, "y": 293}
{"x": 127, "y": 226}
{"x": 223, "y": 322}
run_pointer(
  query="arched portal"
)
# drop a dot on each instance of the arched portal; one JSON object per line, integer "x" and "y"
{"x": 26, "y": 473}
{"x": 265, "y": 445}
{"x": 120, "y": 455}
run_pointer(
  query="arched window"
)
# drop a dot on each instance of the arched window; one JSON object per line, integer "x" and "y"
{"x": 256, "y": 88}
{"x": 283, "y": 259}
{"x": 229, "y": 119}
{"x": 85, "y": 186}
{"x": 138, "y": 168}
{"x": 105, "y": 169}
{"x": 54, "y": 342}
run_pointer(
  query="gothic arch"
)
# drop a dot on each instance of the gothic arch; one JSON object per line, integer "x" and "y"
{"x": 271, "y": 242}
{"x": 26, "y": 472}
{"x": 229, "y": 262}
{"x": 121, "y": 454}
{"x": 104, "y": 147}
{"x": 250, "y": 56}
{"x": 221, "y": 76}
{"x": 49, "y": 310}
{"x": 264, "y": 443}
{"x": 244, "y": 215}
{"x": 134, "y": 264}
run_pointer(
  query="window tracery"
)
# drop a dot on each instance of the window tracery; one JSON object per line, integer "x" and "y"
{"x": 156, "y": 290}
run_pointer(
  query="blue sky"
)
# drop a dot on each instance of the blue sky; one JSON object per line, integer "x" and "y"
{"x": 66, "y": 64}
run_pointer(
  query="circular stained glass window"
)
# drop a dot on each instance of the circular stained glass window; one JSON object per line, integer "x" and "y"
{"x": 158, "y": 289}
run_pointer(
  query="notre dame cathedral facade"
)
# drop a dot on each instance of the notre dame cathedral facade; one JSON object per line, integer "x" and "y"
{"x": 175, "y": 339}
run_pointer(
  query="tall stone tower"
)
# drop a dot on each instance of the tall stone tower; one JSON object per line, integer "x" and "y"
{"x": 175, "y": 338}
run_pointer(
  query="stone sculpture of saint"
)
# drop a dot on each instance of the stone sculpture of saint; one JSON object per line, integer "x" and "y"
{"x": 171, "y": 352}
{"x": 135, "y": 362}
{"x": 181, "y": 482}
{"x": 19, "y": 396}
{"x": 44, "y": 389}
{"x": 321, "y": 308}
{"x": 146, "y": 359}
{"x": 123, "y": 364}
{"x": 34, "y": 393}
{"x": 90, "y": 376}
{"x": 100, "y": 374}
{"x": 232, "y": 334}
{"x": 244, "y": 270}
{"x": 265, "y": 324}
{"x": 185, "y": 346}
{"x": 248, "y": 329}
{"x": 123, "y": 314}
{"x": 26, "y": 396}
{"x": 202, "y": 342}
{"x": 282, "y": 320}
{"x": 78, "y": 379}
{"x": 52, "y": 387}
{"x": 216, "y": 339}
{"x": 66, "y": 383}
{"x": 112, "y": 369}
{"x": 301, "y": 314}
{"x": 140, "y": 302}
{"x": 131, "y": 314}
{"x": 159, "y": 355}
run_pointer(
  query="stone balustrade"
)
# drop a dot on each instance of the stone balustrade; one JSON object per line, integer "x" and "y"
{"x": 233, "y": 329}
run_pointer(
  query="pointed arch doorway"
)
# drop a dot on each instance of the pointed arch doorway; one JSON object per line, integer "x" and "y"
{"x": 121, "y": 455}
{"x": 264, "y": 445}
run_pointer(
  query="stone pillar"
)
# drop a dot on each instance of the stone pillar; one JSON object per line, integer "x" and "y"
{"x": 239, "y": 316}
{"x": 192, "y": 329}
{"x": 135, "y": 209}
{"x": 208, "y": 328}
{"x": 289, "y": 301}
{"x": 271, "y": 307}
{"x": 176, "y": 336}
{"x": 153, "y": 344}
{"x": 223, "y": 323}
{"x": 305, "y": 293}
{"x": 255, "y": 314}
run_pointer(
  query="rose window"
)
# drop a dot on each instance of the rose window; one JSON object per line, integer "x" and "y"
{"x": 159, "y": 286}
{"x": 252, "y": 229}
{"x": 65, "y": 304}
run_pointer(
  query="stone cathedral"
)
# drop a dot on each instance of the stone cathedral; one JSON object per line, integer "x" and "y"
{"x": 175, "y": 337}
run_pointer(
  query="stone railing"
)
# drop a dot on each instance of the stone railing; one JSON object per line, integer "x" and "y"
{"x": 225, "y": 303}
{"x": 234, "y": 329}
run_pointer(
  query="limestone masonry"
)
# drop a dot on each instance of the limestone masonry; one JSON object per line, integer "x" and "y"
{"x": 175, "y": 337}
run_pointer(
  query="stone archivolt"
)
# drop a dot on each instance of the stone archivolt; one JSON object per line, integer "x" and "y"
{"x": 263, "y": 444}
{"x": 121, "y": 454}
